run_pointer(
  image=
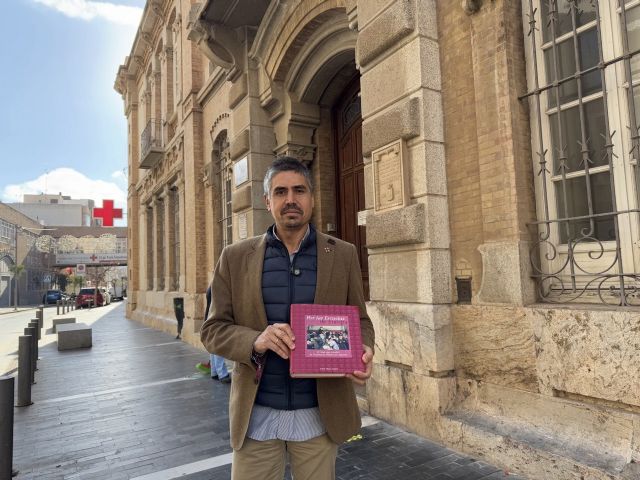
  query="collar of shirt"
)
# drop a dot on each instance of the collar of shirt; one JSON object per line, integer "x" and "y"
{"x": 275, "y": 234}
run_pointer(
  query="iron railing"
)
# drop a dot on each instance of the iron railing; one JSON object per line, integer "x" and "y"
{"x": 581, "y": 253}
{"x": 151, "y": 144}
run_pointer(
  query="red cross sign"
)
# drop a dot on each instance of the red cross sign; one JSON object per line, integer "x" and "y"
{"x": 107, "y": 213}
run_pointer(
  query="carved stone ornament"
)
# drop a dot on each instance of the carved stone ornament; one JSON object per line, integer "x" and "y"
{"x": 146, "y": 37}
{"x": 471, "y": 6}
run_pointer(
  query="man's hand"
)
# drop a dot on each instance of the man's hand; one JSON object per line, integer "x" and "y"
{"x": 367, "y": 358}
{"x": 278, "y": 337}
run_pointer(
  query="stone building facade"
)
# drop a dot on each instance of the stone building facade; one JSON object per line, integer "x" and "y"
{"x": 18, "y": 235}
{"x": 468, "y": 148}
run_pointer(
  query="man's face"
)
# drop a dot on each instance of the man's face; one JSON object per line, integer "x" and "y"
{"x": 290, "y": 200}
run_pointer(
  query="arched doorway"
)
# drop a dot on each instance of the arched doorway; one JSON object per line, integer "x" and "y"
{"x": 350, "y": 187}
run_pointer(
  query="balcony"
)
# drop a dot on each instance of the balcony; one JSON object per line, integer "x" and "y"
{"x": 151, "y": 145}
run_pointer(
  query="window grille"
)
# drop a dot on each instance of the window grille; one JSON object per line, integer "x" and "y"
{"x": 222, "y": 154}
{"x": 160, "y": 206}
{"x": 150, "y": 248}
{"x": 583, "y": 73}
{"x": 176, "y": 238}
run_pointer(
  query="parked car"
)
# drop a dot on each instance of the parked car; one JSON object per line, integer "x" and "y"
{"x": 52, "y": 296}
{"x": 86, "y": 297}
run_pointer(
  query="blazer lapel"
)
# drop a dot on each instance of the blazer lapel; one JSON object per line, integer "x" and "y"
{"x": 326, "y": 249}
{"x": 255, "y": 260}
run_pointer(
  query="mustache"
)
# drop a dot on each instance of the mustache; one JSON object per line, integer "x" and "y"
{"x": 291, "y": 208}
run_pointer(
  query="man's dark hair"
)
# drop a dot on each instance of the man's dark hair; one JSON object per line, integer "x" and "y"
{"x": 286, "y": 164}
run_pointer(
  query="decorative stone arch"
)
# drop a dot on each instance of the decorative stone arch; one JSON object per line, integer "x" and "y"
{"x": 319, "y": 47}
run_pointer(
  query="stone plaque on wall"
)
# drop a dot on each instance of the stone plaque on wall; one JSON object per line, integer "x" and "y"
{"x": 240, "y": 171}
{"x": 389, "y": 177}
{"x": 242, "y": 226}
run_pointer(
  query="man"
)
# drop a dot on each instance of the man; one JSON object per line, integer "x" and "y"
{"x": 255, "y": 282}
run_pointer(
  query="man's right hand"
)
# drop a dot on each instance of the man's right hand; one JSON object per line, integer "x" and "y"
{"x": 278, "y": 337}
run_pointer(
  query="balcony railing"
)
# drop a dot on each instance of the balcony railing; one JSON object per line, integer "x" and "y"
{"x": 151, "y": 144}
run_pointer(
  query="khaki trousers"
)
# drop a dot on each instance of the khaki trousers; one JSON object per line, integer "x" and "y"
{"x": 313, "y": 459}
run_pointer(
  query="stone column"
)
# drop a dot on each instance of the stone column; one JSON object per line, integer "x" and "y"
{"x": 135, "y": 273}
{"x": 407, "y": 221}
{"x": 505, "y": 174}
{"x": 252, "y": 142}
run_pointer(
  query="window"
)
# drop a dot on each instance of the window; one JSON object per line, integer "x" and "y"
{"x": 222, "y": 158}
{"x": 584, "y": 100}
{"x": 176, "y": 237}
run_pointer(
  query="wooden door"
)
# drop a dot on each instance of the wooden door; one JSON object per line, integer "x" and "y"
{"x": 350, "y": 173}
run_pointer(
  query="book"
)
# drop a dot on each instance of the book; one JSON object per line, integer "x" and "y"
{"x": 328, "y": 340}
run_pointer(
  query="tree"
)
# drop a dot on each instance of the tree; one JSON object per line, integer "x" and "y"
{"x": 17, "y": 271}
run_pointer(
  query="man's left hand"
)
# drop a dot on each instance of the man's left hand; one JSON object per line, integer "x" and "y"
{"x": 361, "y": 377}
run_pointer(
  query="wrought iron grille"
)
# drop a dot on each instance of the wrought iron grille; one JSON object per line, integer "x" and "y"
{"x": 584, "y": 120}
{"x": 151, "y": 137}
{"x": 222, "y": 155}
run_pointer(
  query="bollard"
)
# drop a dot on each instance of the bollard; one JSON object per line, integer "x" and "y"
{"x": 24, "y": 371}
{"x": 30, "y": 331}
{"x": 57, "y": 307}
{"x": 36, "y": 323}
{"x": 40, "y": 318}
{"x": 6, "y": 427}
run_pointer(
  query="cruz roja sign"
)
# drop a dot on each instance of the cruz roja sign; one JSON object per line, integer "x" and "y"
{"x": 92, "y": 259}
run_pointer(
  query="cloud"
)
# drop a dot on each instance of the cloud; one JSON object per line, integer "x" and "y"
{"x": 88, "y": 10}
{"x": 68, "y": 182}
{"x": 120, "y": 175}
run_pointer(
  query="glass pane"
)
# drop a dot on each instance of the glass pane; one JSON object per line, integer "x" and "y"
{"x": 577, "y": 206}
{"x": 571, "y": 134}
{"x": 633, "y": 31}
{"x": 588, "y": 55}
{"x": 585, "y": 13}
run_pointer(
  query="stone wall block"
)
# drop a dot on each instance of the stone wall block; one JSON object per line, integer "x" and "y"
{"x": 414, "y": 65}
{"x": 386, "y": 390}
{"x": 240, "y": 144}
{"x": 399, "y": 121}
{"x": 239, "y": 89}
{"x": 412, "y": 276}
{"x": 369, "y": 9}
{"x": 427, "y": 169}
{"x": 427, "y": 398}
{"x": 241, "y": 198}
{"x": 391, "y": 26}
{"x": 496, "y": 345}
{"x": 397, "y": 227}
{"x": 594, "y": 353}
{"x": 506, "y": 274}
{"x": 412, "y": 334}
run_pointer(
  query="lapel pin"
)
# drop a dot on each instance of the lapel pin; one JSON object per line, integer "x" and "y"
{"x": 327, "y": 249}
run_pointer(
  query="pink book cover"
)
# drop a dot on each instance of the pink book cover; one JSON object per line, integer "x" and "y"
{"x": 328, "y": 340}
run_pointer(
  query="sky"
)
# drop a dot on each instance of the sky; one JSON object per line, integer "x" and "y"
{"x": 63, "y": 128}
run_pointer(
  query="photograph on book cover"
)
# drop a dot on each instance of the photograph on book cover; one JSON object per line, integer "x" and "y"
{"x": 327, "y": 335}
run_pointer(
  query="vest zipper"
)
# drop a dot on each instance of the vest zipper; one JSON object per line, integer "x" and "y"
{"x": 291, "y": 298}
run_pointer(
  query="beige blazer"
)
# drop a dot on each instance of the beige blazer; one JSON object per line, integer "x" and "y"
{"x": 237, "y": 316}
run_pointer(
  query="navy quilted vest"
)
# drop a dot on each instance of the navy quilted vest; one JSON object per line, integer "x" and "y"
{"x": 285, "y": 282}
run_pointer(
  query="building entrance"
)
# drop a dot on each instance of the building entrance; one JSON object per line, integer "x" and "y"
{"x": 350, "y": 186}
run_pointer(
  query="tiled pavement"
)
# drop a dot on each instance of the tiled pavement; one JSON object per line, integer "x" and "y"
{"x": 132, "y": 406}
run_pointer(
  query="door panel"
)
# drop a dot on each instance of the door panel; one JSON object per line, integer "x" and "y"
{"x": 350, "y": 173}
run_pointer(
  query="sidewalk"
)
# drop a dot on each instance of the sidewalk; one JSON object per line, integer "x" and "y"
{"x": 133, "y": 407}
{"x": 21, "y": 308}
